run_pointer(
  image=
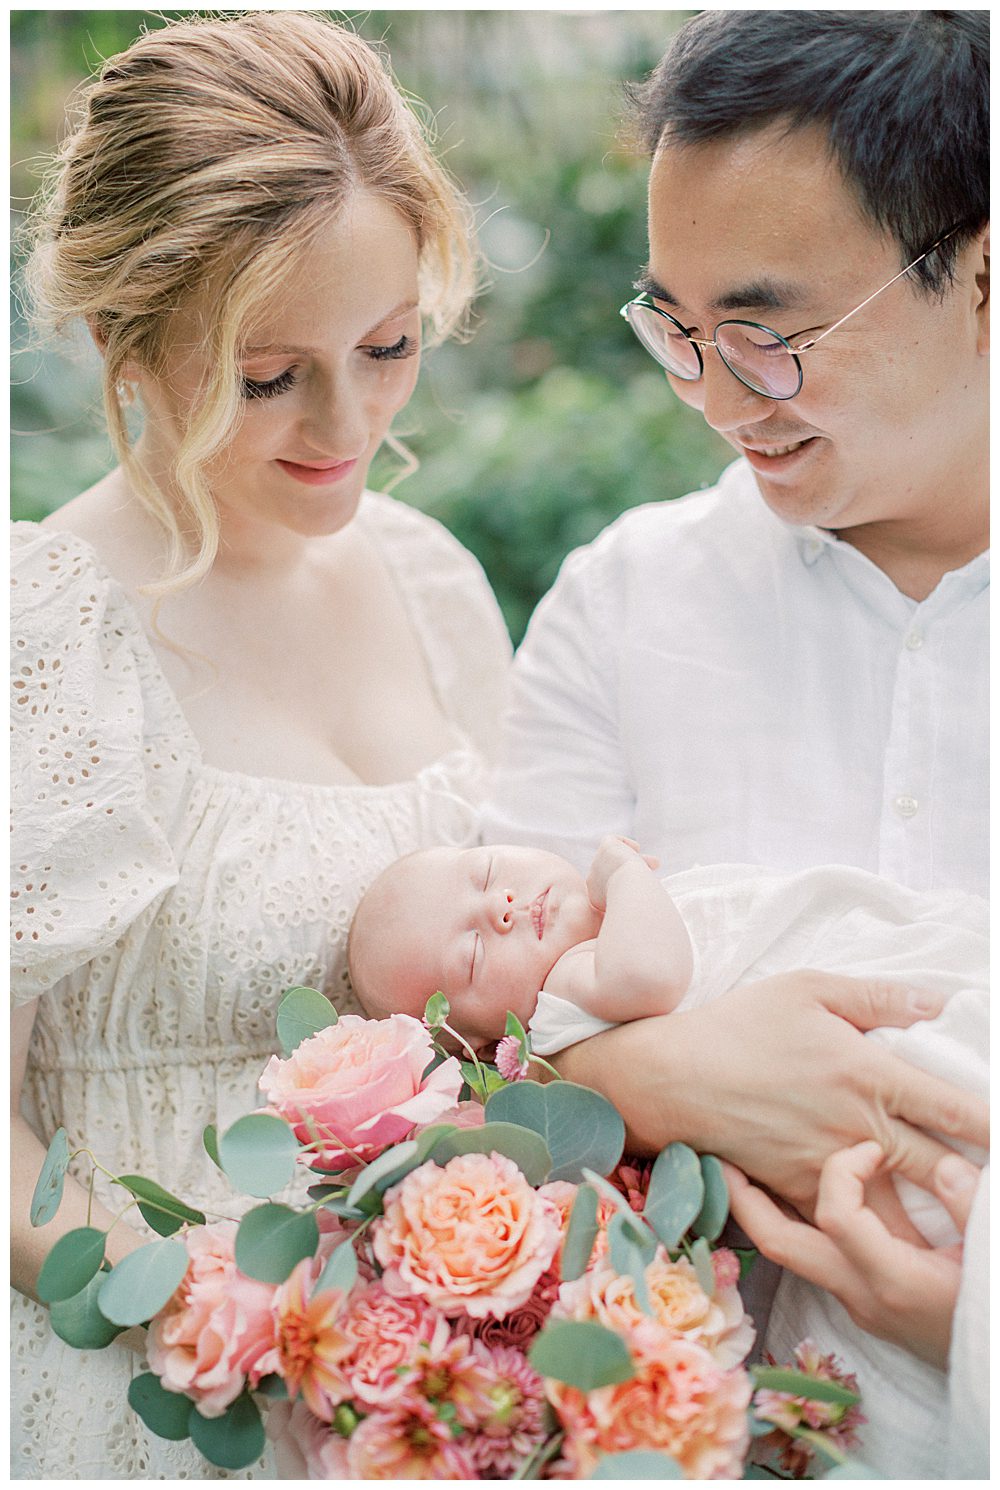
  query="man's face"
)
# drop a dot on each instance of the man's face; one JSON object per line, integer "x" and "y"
{"x": 889, "y": 426}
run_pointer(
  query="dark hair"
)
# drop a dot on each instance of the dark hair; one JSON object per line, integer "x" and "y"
{"x": 904, "y": 96}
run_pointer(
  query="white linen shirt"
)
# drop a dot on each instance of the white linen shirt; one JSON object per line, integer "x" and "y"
{"x": 726, "y": 687}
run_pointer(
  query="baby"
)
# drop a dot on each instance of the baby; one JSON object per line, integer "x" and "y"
{"x": 503, "y": 928}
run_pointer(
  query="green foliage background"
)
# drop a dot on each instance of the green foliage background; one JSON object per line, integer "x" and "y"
{"x": 551, "y": 420}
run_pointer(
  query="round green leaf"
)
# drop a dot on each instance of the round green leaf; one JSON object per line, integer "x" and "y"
{"x": 80, "y": 1322}
{"x": 385, "y": 1171}
{"x": 630, "y": 1253}
{"x": 210, "y": 1138}
{"x": 49, "y": 1185}
{"x": 272, "y": 1239}
{"x": 581, "y": 1234}
{"x": 582, "y": 1353}
{"x": 164, "y": 1212}
{"x": 258, "y": 1154}
{"x": 74, "y": 1259}
{"x": 527, "y": 1149}
{"x": 303, "y": 1012}
{"x": 165, "y": 1413}
{"x": 852, "y": 1469}
{"x": 676, "y": 1192}
{"x": 426, "y": 1140}
{"x": 715, "y": 1207}
{"x": 637, "y": 1464}
{"x": 581, "y": 1129}
{"x": 701, "y": 1258}
{"x": 232, "y": 1441}
{"x": 138, "y": 1286}
{"x": 340, "y": 1270}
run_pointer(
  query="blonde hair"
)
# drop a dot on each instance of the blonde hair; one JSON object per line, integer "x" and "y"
{"x": 206, "y": 152}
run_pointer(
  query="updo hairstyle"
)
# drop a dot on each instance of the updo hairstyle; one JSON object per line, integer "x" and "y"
{"x": 209, "y": 151}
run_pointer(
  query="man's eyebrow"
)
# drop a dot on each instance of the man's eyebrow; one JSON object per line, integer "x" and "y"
{"x": 758, "y": 294}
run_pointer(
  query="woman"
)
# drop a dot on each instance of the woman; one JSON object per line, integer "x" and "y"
{"x": 243, "y": 684}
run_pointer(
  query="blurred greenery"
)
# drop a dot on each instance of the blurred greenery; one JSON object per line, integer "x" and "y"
{"x": 551, "y": 420}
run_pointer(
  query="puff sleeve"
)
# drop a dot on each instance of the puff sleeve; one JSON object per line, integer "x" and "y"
{"x": 87, "y": 855}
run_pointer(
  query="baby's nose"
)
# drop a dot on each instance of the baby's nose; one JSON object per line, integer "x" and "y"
{"x": 502, "y": 911}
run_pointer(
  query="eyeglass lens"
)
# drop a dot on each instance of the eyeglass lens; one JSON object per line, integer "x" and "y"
{"x": 757, "y": 356}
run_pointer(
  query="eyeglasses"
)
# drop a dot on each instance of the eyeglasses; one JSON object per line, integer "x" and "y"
{"x": 763, "y": 360}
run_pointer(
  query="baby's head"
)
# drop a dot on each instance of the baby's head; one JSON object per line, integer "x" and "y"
{"x": 484, "y": 926}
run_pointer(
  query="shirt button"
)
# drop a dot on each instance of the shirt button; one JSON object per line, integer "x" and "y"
{"x": 906, "y": 806}
{"x": 914, "y": 641}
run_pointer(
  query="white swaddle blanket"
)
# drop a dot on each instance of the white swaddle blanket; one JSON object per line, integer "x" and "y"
{"x": 747, "y": 923}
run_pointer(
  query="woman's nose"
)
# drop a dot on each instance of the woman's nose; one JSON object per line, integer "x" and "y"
{"x": 335, "y": 422}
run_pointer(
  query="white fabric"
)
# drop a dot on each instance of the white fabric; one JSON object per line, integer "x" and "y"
{"x": 745, "y": 924}
{"x": 727, "y": 688}
{"x": 556, "y": 1024}
{"x": 161, "y": 907}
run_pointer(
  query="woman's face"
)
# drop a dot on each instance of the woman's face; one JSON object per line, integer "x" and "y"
{"x": 323, "y": 376}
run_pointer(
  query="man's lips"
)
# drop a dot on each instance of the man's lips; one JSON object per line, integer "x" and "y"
{"x": 538, "y": 907}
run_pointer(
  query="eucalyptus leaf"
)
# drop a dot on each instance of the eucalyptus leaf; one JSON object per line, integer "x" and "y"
{"x": 340, "y": 1270}
{"x": 630, "y": 1258}
{"x": 581, "y": 1233}
{"x": 801, "y": 1384}
{"x": 582, "y": 1353}
{"x": 210, "y": 1139}
{"x": 525, "y": 1147}
{"x": 271, "y": 1239}
{"x": 273, "y": 1387}
{"x": 233, "y": 1440}
{"x": 637, "y": 1464}
{"x": 582, "y": 1130}
{"x": 166, "y": 1214}
{"x": 676, "y": 1192}
{"x": 79, "y": 1321}
{"x": 715, "y": 1207}
{"x": 49, "y": 1185}
{"x": 303, "y": 1012}
{"x": 258, "y": 1154}
{"x": 431, "y": 1136}
{"x": 337, "y": 1203}
{"x": 142, "y": 1282}
{"x": 165, "y": 1413}
{"x": 436, "y": 1011}
{"x": 73, "y": 1260}
{"x": 852, "y": 1469}
{"x": 701, "y": 1258}
{"x": 385, "y": 1171}
{"x": 610, "y": 1192}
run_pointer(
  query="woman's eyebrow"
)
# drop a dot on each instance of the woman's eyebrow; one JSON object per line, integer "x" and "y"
{"x": 759, "y": 294}
{"x": 270, "y": 349}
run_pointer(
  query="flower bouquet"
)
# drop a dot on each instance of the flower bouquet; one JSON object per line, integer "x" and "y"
{"x": 450, "y": 1274}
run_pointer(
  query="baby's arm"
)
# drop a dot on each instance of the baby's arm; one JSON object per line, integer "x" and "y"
{"x": 641, "y": 961}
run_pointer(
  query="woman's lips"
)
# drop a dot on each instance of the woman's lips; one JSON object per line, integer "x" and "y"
{"x": 538, "y": 906}
{"x": 316, "y": 474}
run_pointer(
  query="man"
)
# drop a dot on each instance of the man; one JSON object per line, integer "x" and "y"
{"x": 790, "y": 669}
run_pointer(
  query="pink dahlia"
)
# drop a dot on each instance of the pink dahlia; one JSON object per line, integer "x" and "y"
{"x": 515, "y": 1426}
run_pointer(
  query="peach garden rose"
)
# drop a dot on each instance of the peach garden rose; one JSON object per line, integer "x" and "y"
{"x": 471, "y": 1238}
{"x": 359, "y": 1086}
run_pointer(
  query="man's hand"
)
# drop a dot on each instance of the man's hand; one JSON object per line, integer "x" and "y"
{"x": 901, "y": 1291}
{"x": 776, "y": 1076}
{"x": 612, "y": 853}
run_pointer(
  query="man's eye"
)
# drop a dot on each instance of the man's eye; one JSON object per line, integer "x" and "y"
{"x": 269, "y": 388}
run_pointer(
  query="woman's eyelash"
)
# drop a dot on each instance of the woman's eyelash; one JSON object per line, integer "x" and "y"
{"x": 271, "y": 388}
{"x": 405, "y": 347}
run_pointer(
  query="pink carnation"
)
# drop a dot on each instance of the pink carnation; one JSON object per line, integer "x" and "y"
{"x": 679, "y": 1401}
{"x": 387, "y": 1332}
{"x": 359, "y": 1086}
{"x": 472, "y": 1237}
{"x": 218, "y": 1326}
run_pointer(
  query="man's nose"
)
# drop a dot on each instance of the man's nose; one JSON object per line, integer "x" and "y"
{"x": 726, "y": 404}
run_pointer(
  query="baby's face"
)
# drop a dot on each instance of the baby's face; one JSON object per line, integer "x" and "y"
{"x": 483, "y": 925}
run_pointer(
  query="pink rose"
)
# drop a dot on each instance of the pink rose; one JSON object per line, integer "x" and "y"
{"x": 680, "y": 1401}
{"x": 218, "y": 1326}
{"x": 358, "y": 1086}
{"x": 472, "y": 1237}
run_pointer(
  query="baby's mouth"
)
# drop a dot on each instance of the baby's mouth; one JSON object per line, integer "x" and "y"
{"x": 538, "y": 912}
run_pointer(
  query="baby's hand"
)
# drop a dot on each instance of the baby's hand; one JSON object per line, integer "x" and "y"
{"x": 612, "y": 853}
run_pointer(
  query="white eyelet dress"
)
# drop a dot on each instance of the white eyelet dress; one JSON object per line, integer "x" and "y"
{"x": 161, "y": 907}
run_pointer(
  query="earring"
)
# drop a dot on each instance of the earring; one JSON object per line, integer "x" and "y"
{"x": 125, "y": 392}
